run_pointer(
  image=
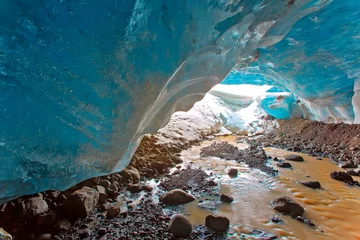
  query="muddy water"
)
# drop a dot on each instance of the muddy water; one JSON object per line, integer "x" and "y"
{"x": 334, "y": 210}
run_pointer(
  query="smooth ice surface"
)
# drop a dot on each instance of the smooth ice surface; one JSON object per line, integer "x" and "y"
{"x": 82, "y": 81}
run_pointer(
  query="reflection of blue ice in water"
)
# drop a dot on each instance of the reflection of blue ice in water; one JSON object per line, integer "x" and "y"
{"x": 81, "y": 82}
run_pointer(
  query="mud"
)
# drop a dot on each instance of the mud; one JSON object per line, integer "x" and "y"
{"x": 254, "y": 156}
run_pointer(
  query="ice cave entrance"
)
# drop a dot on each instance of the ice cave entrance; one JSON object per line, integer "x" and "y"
{"x": 235, "y": 109}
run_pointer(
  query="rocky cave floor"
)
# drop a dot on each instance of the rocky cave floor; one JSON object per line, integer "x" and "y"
{"x": 127, "y": 205}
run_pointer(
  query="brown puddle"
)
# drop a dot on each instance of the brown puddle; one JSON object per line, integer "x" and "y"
{"x": 334, "y": 210}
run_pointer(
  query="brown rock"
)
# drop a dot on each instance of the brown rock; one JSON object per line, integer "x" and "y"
{"x": 295, "y": 158}
{"x": 62, "y": 225}
{"x": 132, "y": 173}
{"x": 217, "y": 223}
{"x": 288, "y": 206}
{"x": 341, "y": 176}
{"x": 180, "y": 226}
{"x": 176, "y": 197}
{"x": 176, "y": 159}
{"x": 233, "y": 172}
{"x": 82, "y": 202}
{"x": 113, "y": 212}
{"x": 45, "y": 236}
{"x": 226, "y": 198}
{"x": 34, "y": 206}
{"x": 102, "y": 193}
{"x": 311, "y": 184}
{"x": 284, "y": 165}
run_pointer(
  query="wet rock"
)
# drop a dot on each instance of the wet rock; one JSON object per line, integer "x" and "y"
{"x": 147, "y": 188}
{"x": 62, "y": 225}
{"x": 295, "y": 158}
{"x": 210, "y": 205}
{"x": 34, "y": 206}
{"x": 105, "y": 183}
{"x": 176, "y": 197}
{"x": 341, "y": 176}
{"x": 113, "y": 212}
{"x": 82, "y": 202}
{"x": 226, "y": 198}
{"x": 233, "y": 172}
{"x": 159, "y": 166}
{"x": 131, "y": 173}
{"x": 45, "y": 236}
{"x": 312, "y": 184}
{"x": 288, "y": 206}
{"x": 212, "y": 183}
{"x": 102, "y": 232}
{"x": 284, "y": 165}
{"x": 180, "y": 226}
{"x": 347, "y": 165}
{"x": 4, "y": 235}
{"x": 84, "y": 234}
{"x": 176, "y": 172}
{"x": 217, "y": 223}
{"x": 276, "y": 159}
{"x": 176, "y": 159}
{"x": 354, "y": 172}
{"x": 276, "y": 219}
{"x": 135, "y": 188}
{"x": 102, "y": 193}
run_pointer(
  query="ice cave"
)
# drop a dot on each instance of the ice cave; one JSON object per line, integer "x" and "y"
{"x": 83, "y": 81}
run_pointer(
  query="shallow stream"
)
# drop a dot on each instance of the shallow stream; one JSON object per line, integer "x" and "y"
{"x": 334, "y": 209}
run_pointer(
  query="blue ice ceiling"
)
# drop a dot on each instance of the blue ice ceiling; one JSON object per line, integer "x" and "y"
{"x": 82, "y": 81}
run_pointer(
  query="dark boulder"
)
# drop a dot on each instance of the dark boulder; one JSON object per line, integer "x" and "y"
{"x": 295, "y": 158}
{"x": 288, "y": 206}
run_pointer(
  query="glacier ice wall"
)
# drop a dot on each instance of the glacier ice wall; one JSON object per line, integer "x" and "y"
{"x": 82, "y": 81}
{"x": 317, "y": 61}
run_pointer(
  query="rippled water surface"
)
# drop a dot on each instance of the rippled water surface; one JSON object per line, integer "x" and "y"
{"x": 334, "y": 210}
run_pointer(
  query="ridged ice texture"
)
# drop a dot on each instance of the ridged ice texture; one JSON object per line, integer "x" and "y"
{"x": 81, "y": 81}
{"x": 318, "y": 62}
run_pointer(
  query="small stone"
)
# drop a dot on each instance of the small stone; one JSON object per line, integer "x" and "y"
{"x": 105, "y": 183}
{"x": 84, "y": 234}
{"x": 176, "y": 197}
{"x": 102, "y": 193}
{"x": 147, "y": 188}
{"x": 312, "y": 184}
{"x": 217, "y": 223}
{"x": 180, "y": 226}
{"x": 276, "y": 219}
{"x": 62, "y": 225}
{"x": 226, "y": 198}
{"x": 288, "y": 206}
{"x": 45, "y": 236}
{"x": 341, "y": 176}
{"x": 233, "y": 172}
{"x": 284, "y": 165}
{"x": 176, "y": 159}
{"x": 102, "y": 232}
{"x": 276, "y": 159}
{"x": 347, "y": 165}
{"x": 132, "y": 173}
{"x": 135, "y": 188}
{"x": 113, "y": 212}
{"x": 82, "y": 202}
{"x": 354, "y": 172}
{"x": 212, "y": 183}
{"x": 4, "y": 235}
{"x": 295, "y": 158}
{"x": 34, "y": 206}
